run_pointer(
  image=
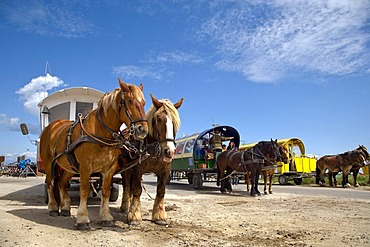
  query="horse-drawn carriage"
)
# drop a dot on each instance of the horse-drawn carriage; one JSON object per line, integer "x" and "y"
{"x": 194, "y": 158}
{"x": 300, "y": 165}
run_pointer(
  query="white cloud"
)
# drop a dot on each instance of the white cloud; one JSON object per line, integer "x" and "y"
{"x": 265, "y": 41}
{"x": 10, "y": 123}
{"x": 36, "y": 90}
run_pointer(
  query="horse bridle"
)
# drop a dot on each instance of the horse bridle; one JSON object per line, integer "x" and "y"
{"x": 132, "y": 122}
{"x": 157, "y": 144}
{"x": 261, "y": 155}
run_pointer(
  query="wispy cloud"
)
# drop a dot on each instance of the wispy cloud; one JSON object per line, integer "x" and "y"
{"x": 157, "y": 66}
{"x": 132, "y": 71}
{"x": 36, "y": 90}
{"x": 265, "y": 41}
{"x": 177, "y": 57}
{"x": 47, "y": 18}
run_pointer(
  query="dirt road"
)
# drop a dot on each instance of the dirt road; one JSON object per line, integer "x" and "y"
{"x": 196, "y": 219}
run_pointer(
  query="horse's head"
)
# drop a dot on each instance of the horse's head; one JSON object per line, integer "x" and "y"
{"x": 131, "y": 109}
{"x": 363, "y": 149}
{"x": 164, "y": 122}
{"x": 274, "y": 151}
{"x": 284, "y": 154}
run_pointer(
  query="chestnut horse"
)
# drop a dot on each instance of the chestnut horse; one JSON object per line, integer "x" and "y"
{"x": 251, "y": 160}
{"x": 90, "y": 145}
{"x": 163, "y": 121}
{"x": 355, "y": 167}
{"x": 341, "y": 162}
{"x": 269, "y": 173}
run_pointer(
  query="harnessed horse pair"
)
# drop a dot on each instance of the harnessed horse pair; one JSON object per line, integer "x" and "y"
{"x": 347, "y": 162}
{"x": 95, "y": 144}
{"x": 250, "y": 161}
{"x": 91, "y": 145}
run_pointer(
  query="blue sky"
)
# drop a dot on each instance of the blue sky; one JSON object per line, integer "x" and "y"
{"x": 271, "y": 69}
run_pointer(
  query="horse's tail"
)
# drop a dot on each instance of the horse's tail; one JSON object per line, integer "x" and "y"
{"x": 318, "y": 173}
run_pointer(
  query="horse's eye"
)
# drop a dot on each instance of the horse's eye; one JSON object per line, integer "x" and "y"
{"x": 159, "y": 120}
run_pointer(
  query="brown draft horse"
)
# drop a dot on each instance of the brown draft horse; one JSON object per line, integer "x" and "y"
{"x": 164, "y": 121}
{"x": 341, "y": 162}
{"x": 251, "y": 160}
{"x": 269, "y": 173}
{"x": 90, "y": 145}
{"x": 355, "y": 167}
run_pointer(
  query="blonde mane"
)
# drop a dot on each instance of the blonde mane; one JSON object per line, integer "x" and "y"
{"x": 113, "y": 99}
{"x": 167, "y": 107}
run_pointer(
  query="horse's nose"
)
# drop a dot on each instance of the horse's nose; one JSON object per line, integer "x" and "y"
{"x": 141, "y": 131}
{"x": 168, "y": 153}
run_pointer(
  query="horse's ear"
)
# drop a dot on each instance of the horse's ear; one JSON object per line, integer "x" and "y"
{"x": 156, "y": 102}
{"x": 179, "y": 103}
{"x": 141, "y": 87}
{"x": 123, "y": 85}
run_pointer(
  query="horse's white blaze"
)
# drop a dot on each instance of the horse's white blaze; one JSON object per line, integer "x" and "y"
{"x": 169, "y": 133}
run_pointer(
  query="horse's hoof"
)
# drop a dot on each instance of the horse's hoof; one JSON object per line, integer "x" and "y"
{"x": 270, "y": 192}
{"x": 83, "y": 226}
{"x": 54, "y": 213}
{"x": 107, "y": 223}
{"x": 265, "y": 192}
{"x": 161, "y": 222}
{"x": 66, "y": 213}
{"x": 258, "y": 194}
{"x": 134, "y": 223}
{"x": 357, "y": 185}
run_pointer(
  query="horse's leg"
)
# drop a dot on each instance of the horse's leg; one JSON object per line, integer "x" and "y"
{"x": 126, "y": 195}
{"x": 331, "y": 175}
{"x": 134, "y": 216}
{"x": 247, "y": 181}
{"x": 265, "y": 182}
{"x": 345, "y": 172}
{"x": 253, "y": 184}
{"x": 355, "y": 173}
{"x": 258, "y": 172}
{"x": 83, "y": 222}
{"x": 221, "y": 175}
{"x": 159, "y": 214}
{"x": 105, "y": 217}
{"x": 335, "y": 179}
{"x": 65, "y": 199}
{"x": 228, "y": 185}
{"x": 322, "y": 176}
{"x": 271, "y": 175}
{"x": 51, "y": 186}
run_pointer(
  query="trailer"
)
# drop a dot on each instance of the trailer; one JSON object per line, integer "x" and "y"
{"x": 194, "y": 159}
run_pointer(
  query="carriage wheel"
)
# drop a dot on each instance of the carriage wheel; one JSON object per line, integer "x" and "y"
{"x": 297, "y": 181}
{"x": 114, "y": 193}
{"x": 197, "y": 181}
{"x": 283, "y": 180}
